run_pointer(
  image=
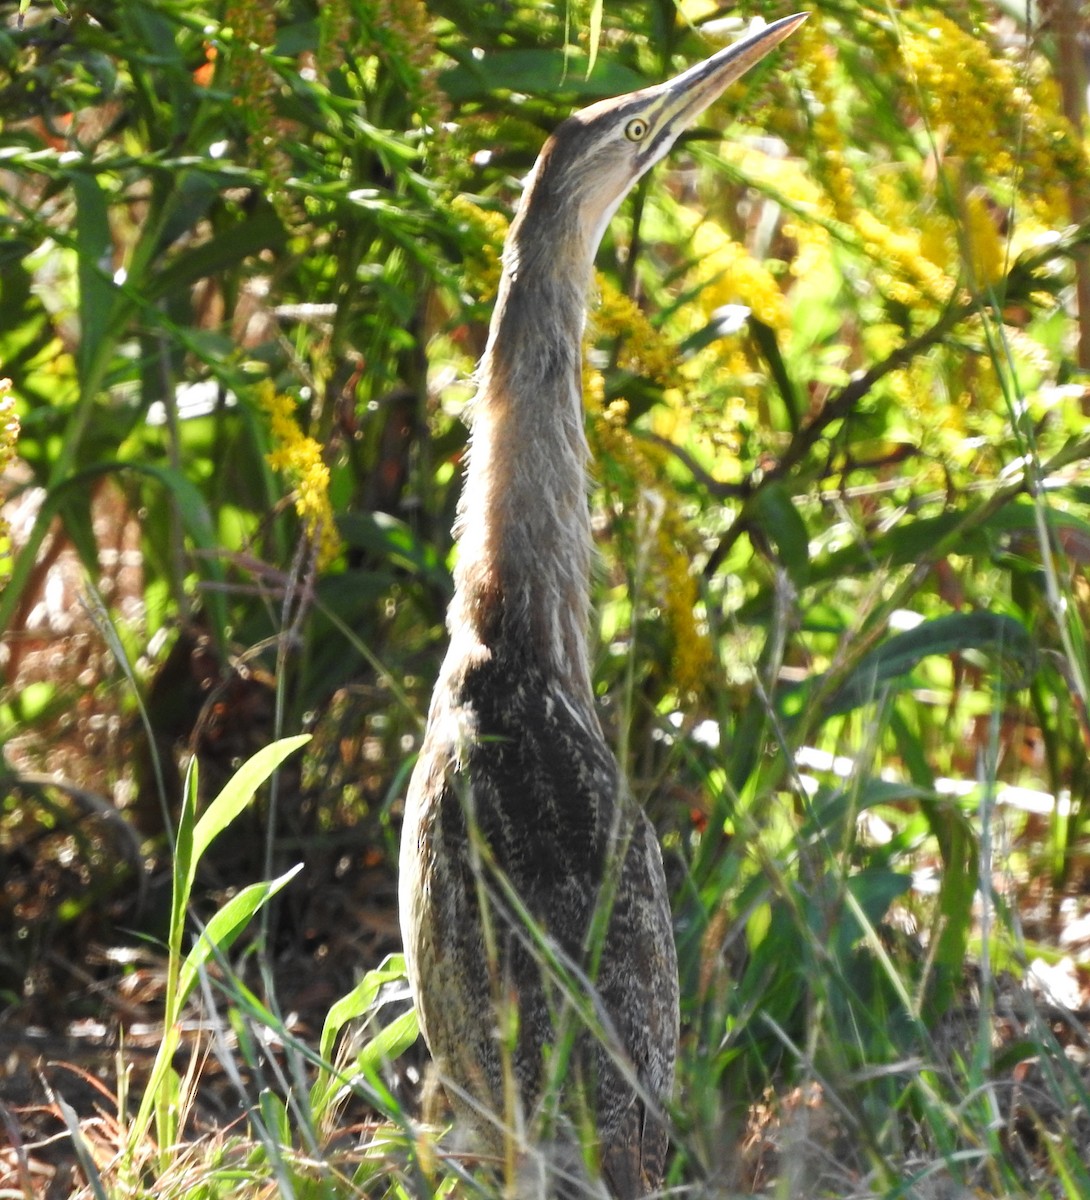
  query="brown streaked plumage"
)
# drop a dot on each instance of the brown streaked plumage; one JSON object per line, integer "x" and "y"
{"x": 514, "y": 751}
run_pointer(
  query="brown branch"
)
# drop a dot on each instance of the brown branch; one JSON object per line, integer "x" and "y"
{"x": 714, "y": 487}
{"x": 1076, "y": 450}
{"x": 840, "y": 407}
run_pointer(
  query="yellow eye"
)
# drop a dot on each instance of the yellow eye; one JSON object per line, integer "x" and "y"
{"x": 636, "y": 129}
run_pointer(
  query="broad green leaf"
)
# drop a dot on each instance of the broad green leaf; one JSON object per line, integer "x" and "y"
{"x": 757, "y": 925}
{"x": 389, "y": 1043}
{"x": 875, "y": 889}
{"x": 184, "y": 863}
{"x": 263, "y": 230}
{"x": 238, "y": 792}
{"x": 359, "y": 1000}
{"x": 959, "y": 847}
{"x": 890, "y": 663}
{"x": 1011, "y": 531}
{"x": 353, "y": 1006}
{"x": 222, "y": 930}
{"x": 779, "y": 519}
{"x": 68, "y": 499}
{"x": 94, "y": 247}
{"x": 196, "y": 519}
{"x": 274, "y": 1113}
{"x": 541, "y": 72}
{"x": 765, "y": 337}
{"x": 831, "y": 808}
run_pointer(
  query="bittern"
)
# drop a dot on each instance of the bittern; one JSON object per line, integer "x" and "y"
{"x": 517, "y": 807}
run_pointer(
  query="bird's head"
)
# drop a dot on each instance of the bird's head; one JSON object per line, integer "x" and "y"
{"x": 592, "y": 160}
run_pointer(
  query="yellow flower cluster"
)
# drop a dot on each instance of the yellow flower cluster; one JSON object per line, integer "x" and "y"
{"x": 989, "y": 114}
{"x": 644, "y": 350}
{"x": 9, "y": 435}
{"x": 905, "y": 272}
{"x": 300, "y": 458}
{"x": 731, "y": 275}
{"x": 818, "y": 55}
{"x": 693, "y": 657}
{"x": 594, "y": 392}
{"x": 932, "y": 248}
{"x": 786, "y": 179}
{"x": 481, "y": 271}
{"x": 985, "y": 249}
{"x": 671, "y": 581}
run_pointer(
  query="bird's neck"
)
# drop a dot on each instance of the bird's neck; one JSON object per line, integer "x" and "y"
{"x": 524, "y": 541}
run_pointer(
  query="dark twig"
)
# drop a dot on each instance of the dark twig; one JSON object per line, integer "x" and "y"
{"x": 840, "y": 407}
{"x": 1077, "y": 450}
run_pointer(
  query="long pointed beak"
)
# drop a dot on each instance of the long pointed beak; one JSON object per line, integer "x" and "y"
{"x": 687, "y": 95}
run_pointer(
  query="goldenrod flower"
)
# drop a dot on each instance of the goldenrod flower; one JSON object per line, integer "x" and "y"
{"x": 905, "y": 273}
{"x": 818, "y": 55}
{"x": 731, "y": 275}
{"x": 644, "y": 350}
{"x": 670, "y": 581}
{"x": 9, "y": 435}
{"x": 482, "y": 269}
{"x": 692, "y": 657}
{"x": 986, "y": 109}
{"x": 787, "y": 179}
{"x": 299, "y": 457}
{"x": 986, "y": 249}
{"x": 594, "y": 389}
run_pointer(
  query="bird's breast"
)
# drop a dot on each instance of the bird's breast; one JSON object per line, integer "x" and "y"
{"x": 510, "y": 751}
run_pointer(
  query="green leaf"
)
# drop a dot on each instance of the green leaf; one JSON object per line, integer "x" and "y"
{"x": 238, "y": 792}
{"x": 875, "y": 889}
{"x": 184, "y": 864}
{"x": 831, "y": 809}
{"x": 1009, "y": 532}
{"x": 541, "y": 72}
{"x": 224, "y": 928}
{"x": 389, "y": 1043}
{"x": 94, "y": 248}
{"x": 193, "y": 510}
{"x": 217, "y": 936}
{"x": 890, "y": 663}
{"x": 765, "y": 337}
{"x": 394, "y": 542}
{"x": 263, "y": 230}
{"x": 359, "y": 1000}
{"x": 957, "y": 889}
{"x": 60, "y": 5}
{"x": 779, "y": 519}
{"x": 274, "y": 1112}
{"x": 68, "y": 498}
{"x": 594, "y": 36}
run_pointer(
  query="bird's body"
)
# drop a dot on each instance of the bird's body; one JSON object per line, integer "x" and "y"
{"x": 516, "y": 801}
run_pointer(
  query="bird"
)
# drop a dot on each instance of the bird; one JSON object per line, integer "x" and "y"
{"x": 527, "y": 867}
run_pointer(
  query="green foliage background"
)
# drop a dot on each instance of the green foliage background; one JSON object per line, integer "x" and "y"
{"x": 837, "y": 390}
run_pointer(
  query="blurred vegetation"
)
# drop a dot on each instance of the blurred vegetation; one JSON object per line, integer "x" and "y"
{"x": 837, "y": 388}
